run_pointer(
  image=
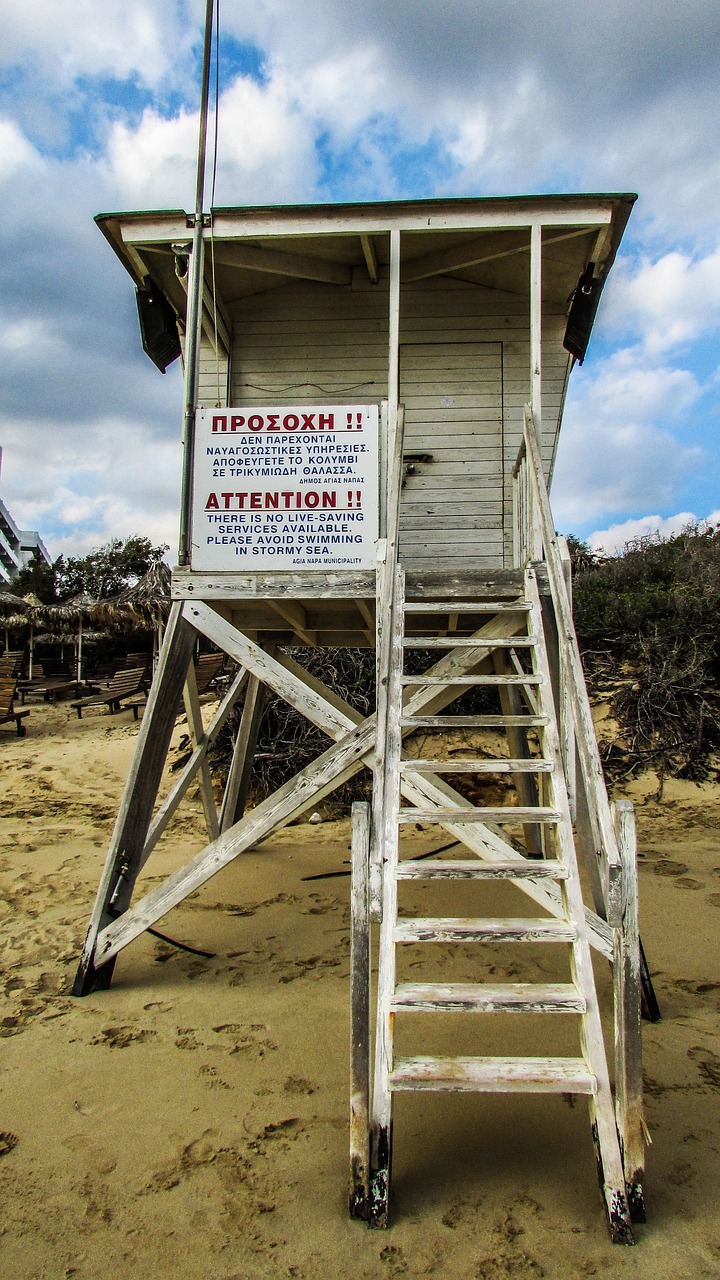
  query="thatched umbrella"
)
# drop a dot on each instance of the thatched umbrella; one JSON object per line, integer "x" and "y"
{"x": 68, "y": 613}
{"x": 143, "y": 607}
{"x": 10, "y": 605}
{"x": 12, "y": 608}
{"x": 15, "y": 622}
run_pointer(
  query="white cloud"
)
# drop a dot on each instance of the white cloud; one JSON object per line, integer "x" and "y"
{"x": 668, "y": 301}
{"x": 153, "y": 165}
{"x": 267, "y": 143}
{"x": 266, "y": 151}
{"x": 628, "y": 387}
{"x": 27, "y": 337}
{"x": 616, "y": 453}
{"x": 16, "y": 153}
{"x": 614, "y": 539}
{"x": 107, "y": 478}
{"x": 118, "y": 38}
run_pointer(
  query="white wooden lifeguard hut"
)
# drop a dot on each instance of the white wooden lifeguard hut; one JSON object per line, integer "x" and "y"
{"x": 370, "y": 430}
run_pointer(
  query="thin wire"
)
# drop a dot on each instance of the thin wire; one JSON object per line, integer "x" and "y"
{"x": 218, "y": 401}
{"x": 295, "y": 386}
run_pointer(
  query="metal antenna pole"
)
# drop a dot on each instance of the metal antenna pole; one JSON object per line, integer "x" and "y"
{"x": 194, "y": 304}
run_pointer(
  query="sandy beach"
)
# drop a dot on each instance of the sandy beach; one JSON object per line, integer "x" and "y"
{"x": 192, "y": 1121}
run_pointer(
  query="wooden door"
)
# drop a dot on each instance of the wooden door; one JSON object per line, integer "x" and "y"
{"x": 452, "y": 508}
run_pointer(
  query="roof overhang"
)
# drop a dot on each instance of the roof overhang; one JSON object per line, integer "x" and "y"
{"x": 483, "y": 242}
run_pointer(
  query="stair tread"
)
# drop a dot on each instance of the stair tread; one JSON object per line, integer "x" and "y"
{"x": 452, "y": 928}
{"x": 504, "y": 814}
{"x": 468, "y": 642}
{"x": 473, "y": 722}
{"x": 480, "y": 997}
{"x": 494, "y": 1074}
{"x": 462, "y": 764}
{"x": 466, "y": 606}
{"x": 490, "y": 680}
{"x": 462, "y": 869}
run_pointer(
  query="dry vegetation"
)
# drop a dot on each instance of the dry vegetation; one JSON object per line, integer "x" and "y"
{"x": 647, "y": 623}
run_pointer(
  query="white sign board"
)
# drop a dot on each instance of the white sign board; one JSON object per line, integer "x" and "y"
{"x": 285, "y": 488}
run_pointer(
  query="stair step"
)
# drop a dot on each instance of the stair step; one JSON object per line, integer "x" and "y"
{"x": 473, "y": 722}
{"x": 480, "y": 997}
{"x": 447, "y": 869}
{"x": 444, "y": 929}
{"x": 465, "y": 606}
{"x": 494, "y": 1075}
{"x": 468, "y": 642}
{"x": 472, "y": 681}
{"x": 504, "y": 815}
{"x": 483, "y": 765}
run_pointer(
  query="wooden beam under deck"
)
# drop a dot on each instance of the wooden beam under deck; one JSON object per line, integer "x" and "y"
{"x": 335, "y": 609}
{"x": 277, "y": 262}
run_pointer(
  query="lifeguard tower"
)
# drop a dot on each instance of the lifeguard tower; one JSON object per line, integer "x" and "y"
{"x": 371, "y": 426}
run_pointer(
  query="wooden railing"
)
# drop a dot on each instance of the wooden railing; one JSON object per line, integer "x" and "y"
{"x": 535, "y": 539}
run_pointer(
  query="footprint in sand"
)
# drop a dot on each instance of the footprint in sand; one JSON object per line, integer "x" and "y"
{"x": 299, "y": 1085}
{"x": 708, "y": 1065}
{"x": 8, "y": 1143}
{"x": 186, "y": 1040}
{"x": 122, "y": 1037}
{"x": 194, "y": 1156}
{"x": 666, "y": 867}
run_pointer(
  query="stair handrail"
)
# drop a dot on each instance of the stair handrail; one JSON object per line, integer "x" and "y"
{"x": 538, "y": 514}
{"x": 393, "y": 429}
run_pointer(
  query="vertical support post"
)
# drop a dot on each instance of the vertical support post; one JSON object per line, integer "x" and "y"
{"x": 360, "y": 1014}
{"x": 141, "y": 787}
{"x": 519, "y": 748}
{"x": 237, "y": 785}
{"x": 536, "y": 325}
{"x": 517, "y": 563}
{"x": 390, "y": 750}
{"x": 585, "y": 842}
{"x": 194, "y": 304}
{"x": 394, "y": 326}
{"x": 195, "y": 725}
{"x": 536, "y": 549}
{"x": 628, "y": 1016}
{"x": 387, "y": 559}
{"x": 567, "y": 720}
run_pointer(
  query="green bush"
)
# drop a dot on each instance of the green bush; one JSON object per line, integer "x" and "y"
{"x": 650, "y": 618}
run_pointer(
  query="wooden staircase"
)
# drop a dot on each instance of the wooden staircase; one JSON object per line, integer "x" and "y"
{"x": 538, "y": 827}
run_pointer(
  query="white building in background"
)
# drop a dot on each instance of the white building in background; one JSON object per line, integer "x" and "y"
{"x": 17, "y": 546}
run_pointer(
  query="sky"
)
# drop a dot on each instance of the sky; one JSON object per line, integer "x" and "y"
{"x": 330, "y": 101}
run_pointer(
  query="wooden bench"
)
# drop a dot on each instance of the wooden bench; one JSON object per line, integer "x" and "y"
{"x": 49, "y": 685}
{"x": 7, "y": 709}
{"x": 125, "y": 685}
{"x": 207, "y": 669}
{"x": 11, "y": 661}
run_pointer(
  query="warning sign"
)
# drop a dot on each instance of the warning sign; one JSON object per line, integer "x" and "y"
{"x": 290, "y": 488}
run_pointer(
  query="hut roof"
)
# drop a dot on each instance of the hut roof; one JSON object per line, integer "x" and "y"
{"x": 139, "y": 605}
{"x": 11, "y": 606}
